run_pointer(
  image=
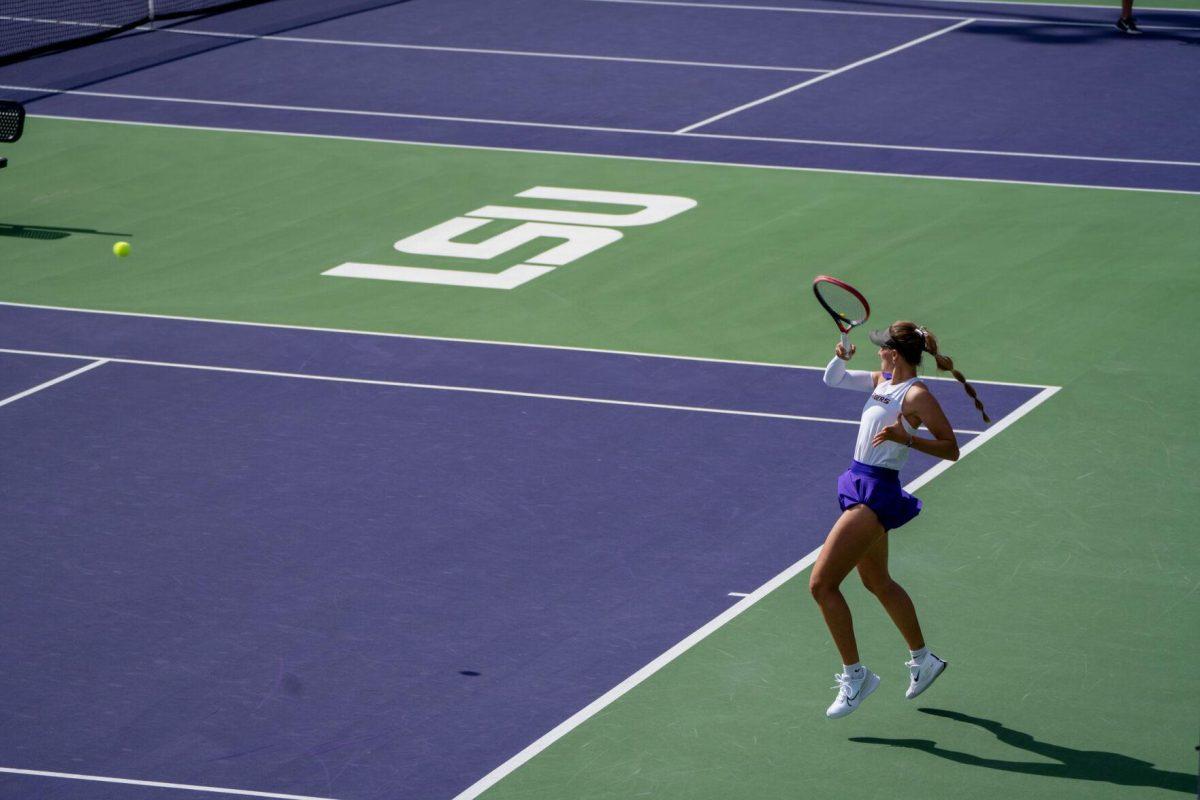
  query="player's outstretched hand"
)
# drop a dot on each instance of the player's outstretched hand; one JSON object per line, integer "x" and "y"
{"x": 841, "y": 353}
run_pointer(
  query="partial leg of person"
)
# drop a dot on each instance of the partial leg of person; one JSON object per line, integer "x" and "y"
{"x": 923, "y": 667}
{"x": 1127, "y": 24}
{"x": 873, "y": 569}
{"x": 852, "y": 535}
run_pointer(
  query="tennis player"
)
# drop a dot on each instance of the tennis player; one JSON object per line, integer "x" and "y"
{"x": 873, "y": 503}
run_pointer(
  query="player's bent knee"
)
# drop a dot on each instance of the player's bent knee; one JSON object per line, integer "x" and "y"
{"x": 820, "y": 588}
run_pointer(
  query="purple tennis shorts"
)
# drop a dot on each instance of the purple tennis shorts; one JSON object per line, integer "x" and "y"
{"x": 878, "y": 488}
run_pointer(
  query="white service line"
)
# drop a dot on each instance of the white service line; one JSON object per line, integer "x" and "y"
{"x": 156, "y": 784}
{"x": 602, "y": 702}
{"x": 418, "y": 337}
{"x": 603, "y": 129}
{"x": 482, "y": 51}
{"x": 50, "y": 383}
{"x": 826, "y": 76}
{"x": 895, "y": 14}
{"x": 427, "y": 386}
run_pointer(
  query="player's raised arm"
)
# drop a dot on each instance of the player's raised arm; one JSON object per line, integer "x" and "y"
{"x": 837, "y": 376}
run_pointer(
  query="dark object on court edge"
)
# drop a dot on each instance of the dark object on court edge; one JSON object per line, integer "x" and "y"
{"x": 12, "y": 123}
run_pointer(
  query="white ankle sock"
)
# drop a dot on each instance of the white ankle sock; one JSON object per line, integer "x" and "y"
{"x": 919, "y": 655}
{"x": 856, "y": 671}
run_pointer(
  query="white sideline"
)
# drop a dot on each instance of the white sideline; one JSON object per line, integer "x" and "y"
{"x": 156, "y": 784}
{"x": 600, "y": 703}
{"x": 51, "y": 382}
{"x": 826, "y": 76}
{"x": 426, "y": 386}
{"x": 282, "y": 326}
{"x": 685, "y": 132}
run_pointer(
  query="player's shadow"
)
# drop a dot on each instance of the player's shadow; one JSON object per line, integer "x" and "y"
{"x": 1059, "y": 27}
{"x": 1088, "y": 765}
{"x": 49, "y": 232}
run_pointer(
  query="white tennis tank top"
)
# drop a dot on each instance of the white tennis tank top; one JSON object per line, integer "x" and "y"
{"x": 880, "y": 411}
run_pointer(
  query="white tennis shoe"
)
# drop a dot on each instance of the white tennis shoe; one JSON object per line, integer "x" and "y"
{"x": 851, "y": 693}
{"x": 923, "y": 673}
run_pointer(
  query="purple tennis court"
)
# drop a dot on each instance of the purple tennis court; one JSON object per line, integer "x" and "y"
{"x": 336, "y": 564}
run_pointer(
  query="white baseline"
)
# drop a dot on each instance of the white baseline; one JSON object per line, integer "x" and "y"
{"x": 605, "y": 129}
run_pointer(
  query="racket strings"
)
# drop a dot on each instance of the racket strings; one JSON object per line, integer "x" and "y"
{"x": 842, "y": 302}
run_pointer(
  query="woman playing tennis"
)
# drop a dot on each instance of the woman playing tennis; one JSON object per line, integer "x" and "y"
{"x": 873, "y": 503}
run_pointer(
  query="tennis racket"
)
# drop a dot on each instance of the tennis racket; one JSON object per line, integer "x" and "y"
{"x": 844, "y": 303}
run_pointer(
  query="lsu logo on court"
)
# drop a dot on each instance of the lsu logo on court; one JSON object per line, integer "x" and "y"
{"x": 582, "y": 232}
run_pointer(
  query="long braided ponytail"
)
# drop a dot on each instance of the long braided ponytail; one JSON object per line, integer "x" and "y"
{"x": 946, "y": 364}
{"x": 910, "y": 340}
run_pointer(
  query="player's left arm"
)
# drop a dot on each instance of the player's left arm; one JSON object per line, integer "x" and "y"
{"x": 919, "y": 402}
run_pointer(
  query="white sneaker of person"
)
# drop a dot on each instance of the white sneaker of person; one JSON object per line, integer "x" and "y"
{"x": 851, "y": 693}
{"x": 923, "y": 674}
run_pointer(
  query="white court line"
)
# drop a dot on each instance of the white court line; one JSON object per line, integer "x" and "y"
{"x": 897, "y": 14}
{"x": 653, "y": 159}
{"x": 156, "y": 784}
{"x": 418, "y": 337}
{"x": 826, "y": 76}
{"x": 320, "y": 110}
{"x": 426, "y": 386}
{"x": 50, "y": 383}
{"x": 73, "y": 23}
{"x": 434, "y": 48}
{"x": 602, "y": 702}
{"x": 482, "y": 51}
{"x": 954, "y": 150}
{"x": 685, "y": 132}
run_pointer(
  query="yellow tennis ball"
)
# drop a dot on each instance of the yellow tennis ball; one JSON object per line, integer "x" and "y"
{"x": 121, "y": 249}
